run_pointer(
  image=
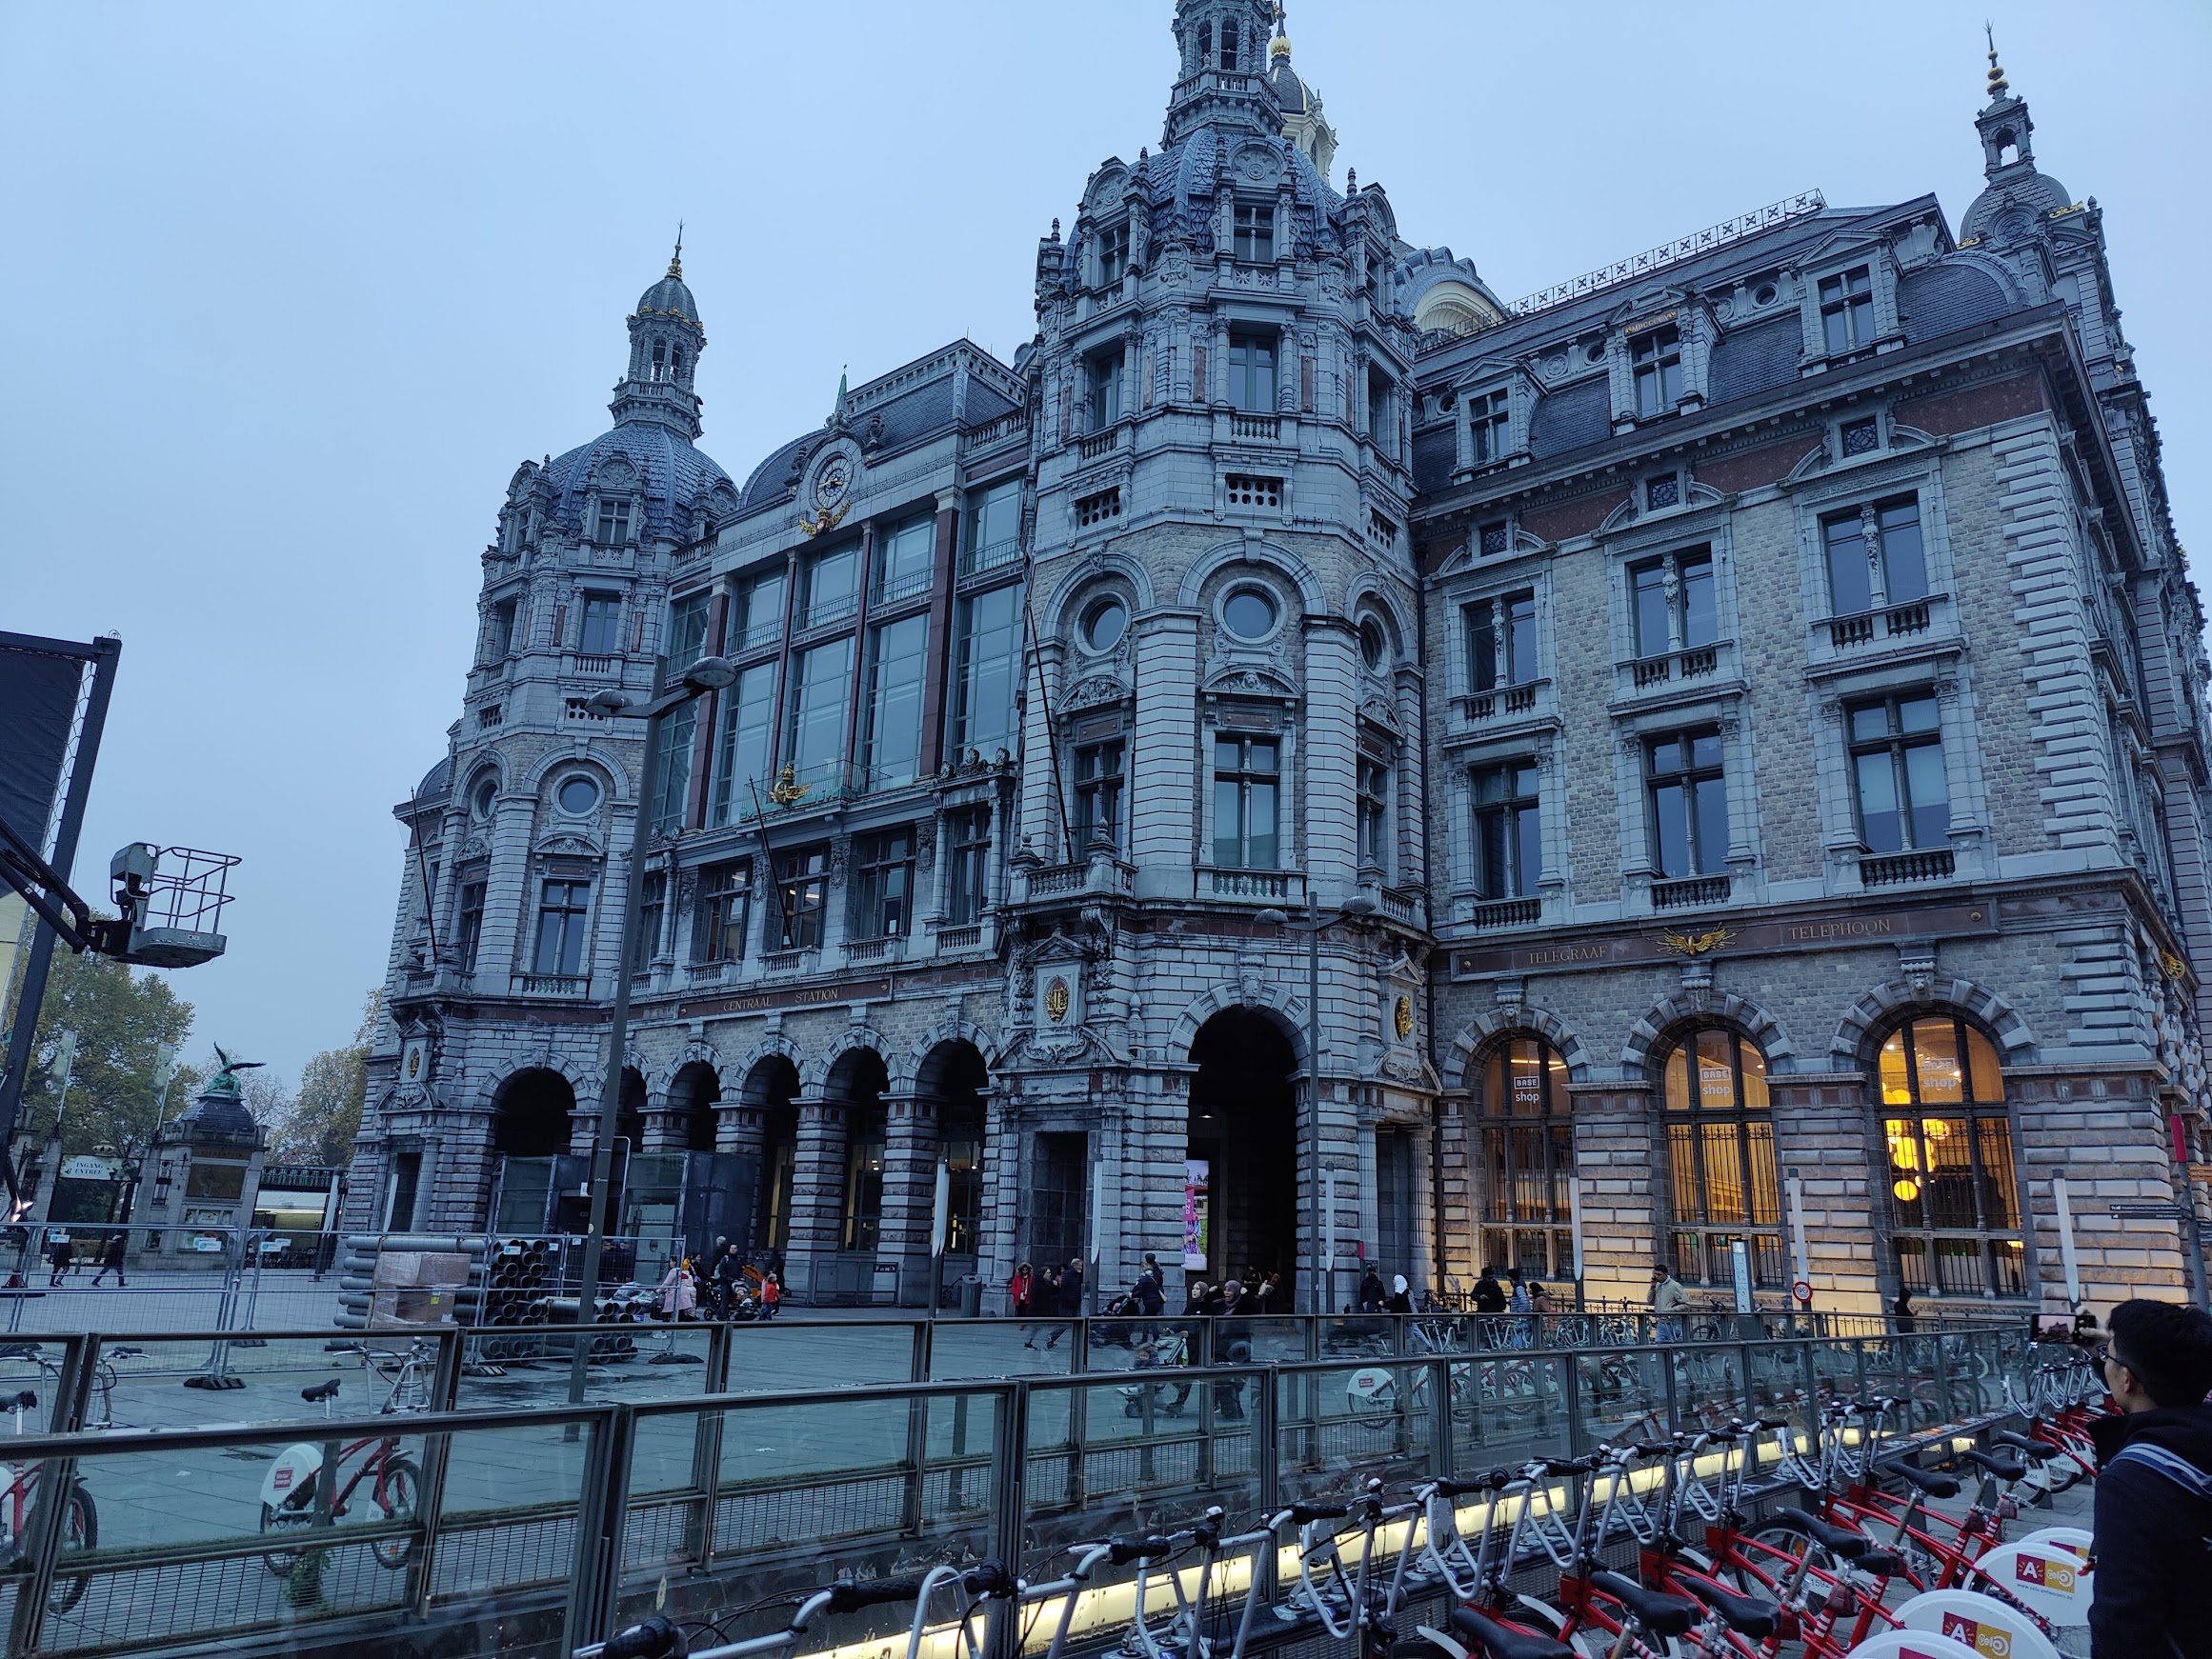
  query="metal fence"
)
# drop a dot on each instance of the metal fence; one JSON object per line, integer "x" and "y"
{"x": 168, "y": 1278}
{"x": 474, "y": 1527}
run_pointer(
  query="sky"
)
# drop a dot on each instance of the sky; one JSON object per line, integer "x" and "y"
{"x": 286, "y": 291}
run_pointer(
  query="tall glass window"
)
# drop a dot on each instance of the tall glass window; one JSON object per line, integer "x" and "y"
{"x": 725, "y": 903}
{"x": 1954, "y": 1204}
{"x": 832, "y": 584}
{"x": 816, "y": 740}
{"x": 563, "y": 908}
{"x": 883, "y": 884}
{"x": 1502, "y": 642}
{"x": 687, "y": 631}
{"x": 1113, "y": 253}
{"x": 741, "y": 777}
{"x": 1721, "y": 1163}
{"x": 1897, "y": 773}
{"x": 599, "y": 635}
{"x": 1251, "y": 371}
{"x": 894, "y": 701}
{"x": 1688, "y": 798}
{"x": 1255, "y": 233}
{"x": 469, "y": 924}
{"x": 672, "y": 788}
{"x": 1099, "y": 783}
{"x": 1657, "y": 360}
{"x": 1509, "y": 848}
{"x": 1247, "y": 795}
{"x": 1528, "y": 1154}
{"x": 1103, "y": 396}
{"x": 963, "y": 1144}
{"x": 759, "y": 612}
{"x": 1490, "y": 427}
{"x": 1374, "y": 803}
{"x": 1897, "y": 559}
{"x": 864, "y": 1142}
{"x": 994, "y": 527}
{"x": 906, "y": 559}
{"x": 987, "y": 669}
{"x": 968, "y": 854}
{"x": 652, "y": 912}
{"x": 1847, "y": 310}
{"x": 1672, "y": 602}
{"x": 802, "y": 875}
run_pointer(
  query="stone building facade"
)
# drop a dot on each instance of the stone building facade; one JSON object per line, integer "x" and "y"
{"x": 1706, "y": 762}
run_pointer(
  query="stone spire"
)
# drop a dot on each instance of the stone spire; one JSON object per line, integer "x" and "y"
{"x": 666, "y": 338}
{"x": 1223, "y": 79}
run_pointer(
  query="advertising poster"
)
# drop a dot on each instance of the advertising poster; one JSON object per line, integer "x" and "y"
{"x": 1195, "y": 1216}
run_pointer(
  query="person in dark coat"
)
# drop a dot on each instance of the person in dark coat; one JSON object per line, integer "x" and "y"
{"x": 111, "y": 1262}
{"x": 1071, "y": 1290}
{"x": 1371, "y": 1290}
{"x": 1151, "y": 1289}
{"x": 2154, "y": 1485}
{"x": 61, "y": 1258}
{"x": 1489, "y": 1294}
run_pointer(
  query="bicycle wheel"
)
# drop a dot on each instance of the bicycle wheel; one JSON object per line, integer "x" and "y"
{"x": 80, "y": 1531}
{"x": 397, "y": 1488}
{"x": 280, "y": 1562}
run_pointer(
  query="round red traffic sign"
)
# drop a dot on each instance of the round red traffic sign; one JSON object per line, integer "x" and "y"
{"x": 1802, "y": 1291}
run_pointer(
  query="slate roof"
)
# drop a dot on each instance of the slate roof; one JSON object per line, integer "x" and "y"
{"x": 908, "y": 418}
{"x": 437, "y": 781}
{"x": 677, "y": 475}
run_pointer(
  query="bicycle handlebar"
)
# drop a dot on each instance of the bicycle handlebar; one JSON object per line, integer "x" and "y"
{"x": 654, "y": 1638}
{"x": 846, "y": 1598}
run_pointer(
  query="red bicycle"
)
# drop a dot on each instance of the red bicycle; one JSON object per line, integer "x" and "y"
{"x": 292, "y": 1489}
{"x": 19, "y": 1491}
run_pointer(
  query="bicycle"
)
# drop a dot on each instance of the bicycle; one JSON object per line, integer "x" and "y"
{"x": 292, "y": 1490}
{"x": 657, "y": 1637}
{"x": 99, "y": 1413}
{"x": 19, "y": 1490}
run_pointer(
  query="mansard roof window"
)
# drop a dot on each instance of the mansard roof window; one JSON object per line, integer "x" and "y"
{"x": 1112, "y": 254}
{"x": 1251, "y": 371}
{"x": 1657, "y": 358}
{"x": 1847, "y": 311}
{"x": 1490, "y": 426}
{"x": 1254, "y": 234}
{"x": 613, "y": 523}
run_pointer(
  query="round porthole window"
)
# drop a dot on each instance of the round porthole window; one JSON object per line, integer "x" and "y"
{"x": 1595, "y": 353}
{"x": 1765, "y": 295}
{"x": 484, "y": 797}
{"x": 1104, "y": 624}
{"x": 1374, "y": 644}
{"x": 577, "y": 795}
{"x": 1249, "y": 614}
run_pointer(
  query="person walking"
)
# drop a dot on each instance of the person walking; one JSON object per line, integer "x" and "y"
{"x": 1669, "y": 1301}
{"x": 770, "y": 1293}
{"x": 2154, "y": 1484}
{"x": 1902, "y": 1308}
{"x": 1151, "y": 1289}
{"x": 1071, "y": 1290}
{"x": 1400, "y": 1298}
{"x": 1018, "y": 1290}
{"x": 61, "y": 1259}
{"x": 112, "y": 1261}
{"x": 679, "y": 1293}
{"x": 1371, "y": 1290}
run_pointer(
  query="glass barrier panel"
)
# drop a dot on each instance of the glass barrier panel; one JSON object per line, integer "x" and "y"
{"x": 1275, "y": 1339}
{"x": 1973, "y": 1369}
{"x": 1357, "y": 1336}
{"x": 33, "y": 1365}
{"x": 996, "y": 1347}
{"x": 1508, "y": 1409}
{"x": 1836, "y": 1369}
{"x": 798, "y": 1475}
{"x": 214, "y": 1542}
{"x": 1123, "y": 1345}
{"x": 1340, "y": 1425}
{"x": 184, "y": 1383}
{"x": 1623, "y": 1394}
{"x": 777, "y": 1356}
{"x": 1709, "y": 1385}
{"x": 508, "y": 1514}
{"x": 1781, "y": 1385}
{"x": 628, "y": 1363}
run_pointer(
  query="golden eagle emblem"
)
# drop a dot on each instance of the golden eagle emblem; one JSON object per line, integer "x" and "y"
{"x": 1694, "y": 944}
{"x": 829, "y": 518}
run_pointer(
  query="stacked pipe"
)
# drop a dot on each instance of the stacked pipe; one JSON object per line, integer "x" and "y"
{"x": 358, "y": 1269}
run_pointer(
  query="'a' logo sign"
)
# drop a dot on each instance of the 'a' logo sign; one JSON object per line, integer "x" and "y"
{"x": 1983, "y": 1638}
{"x": 2042, "y": 1571}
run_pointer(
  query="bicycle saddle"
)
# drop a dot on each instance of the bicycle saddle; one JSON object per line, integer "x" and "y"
{"x": 122, "y": 1352}
{"x": 1663, "y": 1615}
{"x": 1935, "y": 1486}
{"x": 2002, "y": 1468}
{"x": 2033, "y": 1451}
{"x": 1744, "y": 1614}
{"x": 18, "y": 1350}
{"x": 25, "y": 1401}
{"x": 1500, "y": 1642}
{"x": 1837, "y": 1541}
{"x": 319, "y": 1392}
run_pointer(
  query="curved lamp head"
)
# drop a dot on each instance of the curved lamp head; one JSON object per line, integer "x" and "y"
{"x": 608, "y": 703}
{"x": 1358, "y": 905}
{"x": 711, "y": 674}
{"x": 1270, "y": 918}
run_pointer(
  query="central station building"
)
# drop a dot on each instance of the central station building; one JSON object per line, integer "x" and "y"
{"x": 1702, "y": 764}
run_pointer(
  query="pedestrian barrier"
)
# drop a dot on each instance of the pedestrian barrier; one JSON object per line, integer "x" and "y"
{"x": 474, "y": 1525}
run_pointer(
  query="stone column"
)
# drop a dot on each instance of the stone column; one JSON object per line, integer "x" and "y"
{"x": 1617, "y": 1163}
{"x": 910, "y": 1191}
{"x": 1820, "y": 1126}
{"x": 817, "y": 1193}
{"x": 741, "y": 1128}
{"x": 1162, "y": 766}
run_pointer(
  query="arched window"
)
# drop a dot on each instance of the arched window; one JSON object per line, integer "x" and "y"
{"x": 1954, "y": 1204}
{"x": 1721, "y": 1164}
{"x": 1229, "y": 46}
{"x": 1528, "y": 1158}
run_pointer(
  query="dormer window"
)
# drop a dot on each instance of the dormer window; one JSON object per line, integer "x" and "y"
{"x": 1847, "y": 311}
{"x": 613, "y": 523}
{"x": 1112, "y": 254}
{"x": 1489, "y": 423}
{"x": 1255, "y": 240}
{"x": 1657, "y": 358}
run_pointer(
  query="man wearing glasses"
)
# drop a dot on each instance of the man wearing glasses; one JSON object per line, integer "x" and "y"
{"x": 2154, "y": 1485}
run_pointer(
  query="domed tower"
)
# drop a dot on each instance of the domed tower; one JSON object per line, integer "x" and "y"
{"x": 1222, "y": 739}
{"x": 512, "y": 892}
{"x": 1302, "y": 122}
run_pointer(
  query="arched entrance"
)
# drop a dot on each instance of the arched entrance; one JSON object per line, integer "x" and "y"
{"x": 693, "y": 1093}
{"x": 952, "y": 1081}
{"x": 856, "y": 1082}
{"x": 1244, "y": 1131}
{"x": 532, "y": 1116}
{"x": 770, "y": 1088}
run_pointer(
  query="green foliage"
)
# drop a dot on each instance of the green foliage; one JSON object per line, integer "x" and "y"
{"x": 120, "y": 1018}
{"x": 333, "y": 1088}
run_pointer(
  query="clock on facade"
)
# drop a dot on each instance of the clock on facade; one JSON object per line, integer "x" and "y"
{"x": 832, "y": 481}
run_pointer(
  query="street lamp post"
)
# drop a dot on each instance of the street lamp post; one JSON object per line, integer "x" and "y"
{"x": 706, "y": 674}
{"x": 1357, "y": 904}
